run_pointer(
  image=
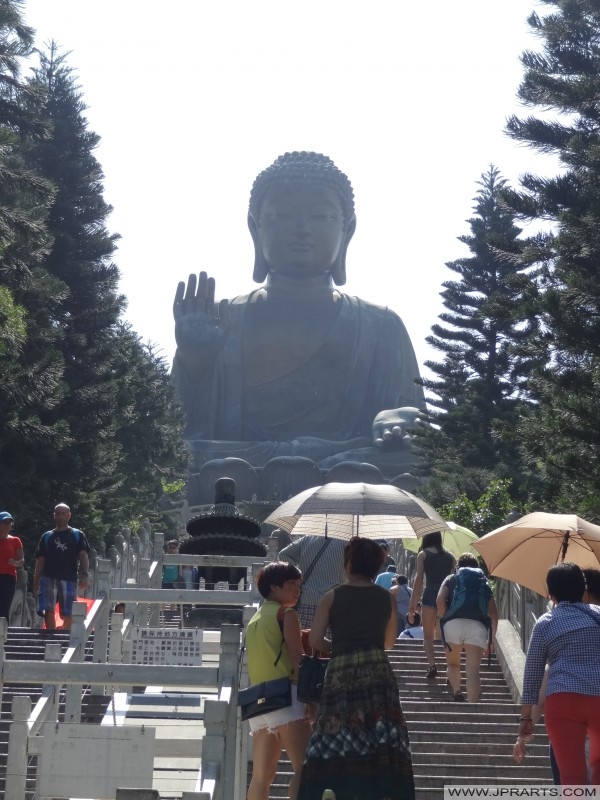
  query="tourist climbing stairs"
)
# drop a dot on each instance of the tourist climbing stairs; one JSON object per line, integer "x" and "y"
{"x": 456, "y": 743}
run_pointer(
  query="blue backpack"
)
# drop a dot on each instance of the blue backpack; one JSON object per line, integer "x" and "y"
{"x": 469, "y": 600}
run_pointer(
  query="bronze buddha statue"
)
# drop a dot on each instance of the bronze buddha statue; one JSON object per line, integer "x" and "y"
{"x": 295, "y": 367}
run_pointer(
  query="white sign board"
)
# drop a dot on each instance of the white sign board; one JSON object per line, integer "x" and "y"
{"x": 88, "y": 761}
{"x": 167, "y": 646}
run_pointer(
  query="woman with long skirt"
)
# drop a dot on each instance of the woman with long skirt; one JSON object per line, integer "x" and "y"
{"x": 359, "y": 748}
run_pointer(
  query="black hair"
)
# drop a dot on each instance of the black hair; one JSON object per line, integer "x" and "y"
{"x": 592, "y": 581}
{"x": 401, "y": 580}
{"x": 276, "y": 574}
{"x": 566, "y": 582}
{"x": 433, "y": 539}
{"x": 416, "y": 620}
{"x": 467, "y": 560}
{"x": 364, "y": 557}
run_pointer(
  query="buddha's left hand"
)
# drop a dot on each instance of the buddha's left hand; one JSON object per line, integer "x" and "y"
{"x": 391, "y": 425}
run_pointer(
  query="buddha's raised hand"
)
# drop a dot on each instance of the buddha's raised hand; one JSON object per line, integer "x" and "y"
{"x": 199, "y": 321}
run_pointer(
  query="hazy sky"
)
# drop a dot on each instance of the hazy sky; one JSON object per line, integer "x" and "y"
{"x": 194, "y": 98}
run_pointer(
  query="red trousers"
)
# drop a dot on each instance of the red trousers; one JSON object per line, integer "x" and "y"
{"x": 569, "y": 719}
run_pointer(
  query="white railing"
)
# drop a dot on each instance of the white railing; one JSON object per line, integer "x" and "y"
{"x": 521, "y": 607}
{"x": 224, "y": 746}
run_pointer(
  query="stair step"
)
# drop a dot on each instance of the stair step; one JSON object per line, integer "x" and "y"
{"x": 24, "y": 644}
{"x": 455, "y": 743}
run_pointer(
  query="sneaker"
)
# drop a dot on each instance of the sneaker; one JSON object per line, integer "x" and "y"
{"x": 459, "y": 697}
{"x": 431, "y": 673}
{"x": 328, "y": 794}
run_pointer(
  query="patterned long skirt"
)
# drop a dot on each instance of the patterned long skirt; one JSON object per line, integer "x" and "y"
{"x": 359, "y": 746}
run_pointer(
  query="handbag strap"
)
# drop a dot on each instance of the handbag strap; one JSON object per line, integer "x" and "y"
{"x": 313, "y": 563}
{"x": 243, "y": 647}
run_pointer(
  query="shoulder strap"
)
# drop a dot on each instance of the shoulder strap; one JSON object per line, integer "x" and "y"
{"x": 280, "y": 623}
{"x": 589, "y": 614}
{"x": 312, "y": 564}
{"x": 74, "y": 531}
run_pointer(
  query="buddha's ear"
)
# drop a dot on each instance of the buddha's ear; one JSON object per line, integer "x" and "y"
{"x": 338, "y": 273}
{"x": 260, "y": 268}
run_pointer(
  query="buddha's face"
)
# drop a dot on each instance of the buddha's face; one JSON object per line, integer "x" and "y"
{"x": 300, "y": 229}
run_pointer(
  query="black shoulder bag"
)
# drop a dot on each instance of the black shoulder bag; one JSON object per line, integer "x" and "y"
{"x": 266, "y": 696}
{"x": 311, "y": 677}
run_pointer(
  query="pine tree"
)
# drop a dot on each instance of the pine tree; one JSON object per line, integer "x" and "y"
{"x": 30, "y": 361}
{"x": 150, "y": 434}
{"x": 124, "y": 425}
{"x": 84, "y": 467}
{"x": 480, "y": 385}
{"x": 562, "y": 434}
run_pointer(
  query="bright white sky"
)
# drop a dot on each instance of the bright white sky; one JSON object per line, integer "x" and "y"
{"x": 194, "y": 98}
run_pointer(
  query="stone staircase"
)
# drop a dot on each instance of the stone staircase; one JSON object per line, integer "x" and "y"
{"x": 25, "y": 644}
{"x": 456, "y": 743}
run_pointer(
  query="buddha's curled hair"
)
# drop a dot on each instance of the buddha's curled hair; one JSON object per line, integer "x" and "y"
{"x": 308, "y": 166}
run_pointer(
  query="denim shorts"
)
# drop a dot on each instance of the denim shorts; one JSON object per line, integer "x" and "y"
{"x": 53, "y": 590}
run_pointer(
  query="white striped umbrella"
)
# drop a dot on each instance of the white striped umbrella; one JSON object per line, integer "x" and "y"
{"x": 344, "y": 510}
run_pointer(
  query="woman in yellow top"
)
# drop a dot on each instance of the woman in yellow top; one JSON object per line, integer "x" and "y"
{"x": 274, "y": 648}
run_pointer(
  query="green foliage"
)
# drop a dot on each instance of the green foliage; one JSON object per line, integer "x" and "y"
{"x": 484, "y": 514}
{"x": 88, "y": 415}
{"x": 172, "y": 487}
{"x": 560, "y": 435}
{"x": 480, "y": 387}
{"x": 30, "y": 361}
{"x": 13, "y": 328}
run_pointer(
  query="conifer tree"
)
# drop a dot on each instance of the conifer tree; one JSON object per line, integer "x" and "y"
{"x": 84, "y": 467}
{"x": 150, "y": 433}
{"x": 124, "y": 426}
{"x": 480, "y": 385}
{"x": 30, "y": 361}
{"x": 562, "y": 83}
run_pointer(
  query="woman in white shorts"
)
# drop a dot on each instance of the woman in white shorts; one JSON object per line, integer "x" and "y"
{"x": 465, "y": 633}
{"x": 274, "y": 649}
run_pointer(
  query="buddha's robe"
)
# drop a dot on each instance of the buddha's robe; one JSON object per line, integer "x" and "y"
{"x": 323, "y": 404}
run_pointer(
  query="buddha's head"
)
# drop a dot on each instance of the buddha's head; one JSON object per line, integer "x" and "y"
{"x": 301, "y": 218}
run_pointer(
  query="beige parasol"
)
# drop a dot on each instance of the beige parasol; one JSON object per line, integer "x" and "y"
{"x": 524, "y": 550}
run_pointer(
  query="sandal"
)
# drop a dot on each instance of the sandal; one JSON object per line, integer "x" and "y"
{"x": 459, "y": 697}
{"x": 431, "y": 673}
